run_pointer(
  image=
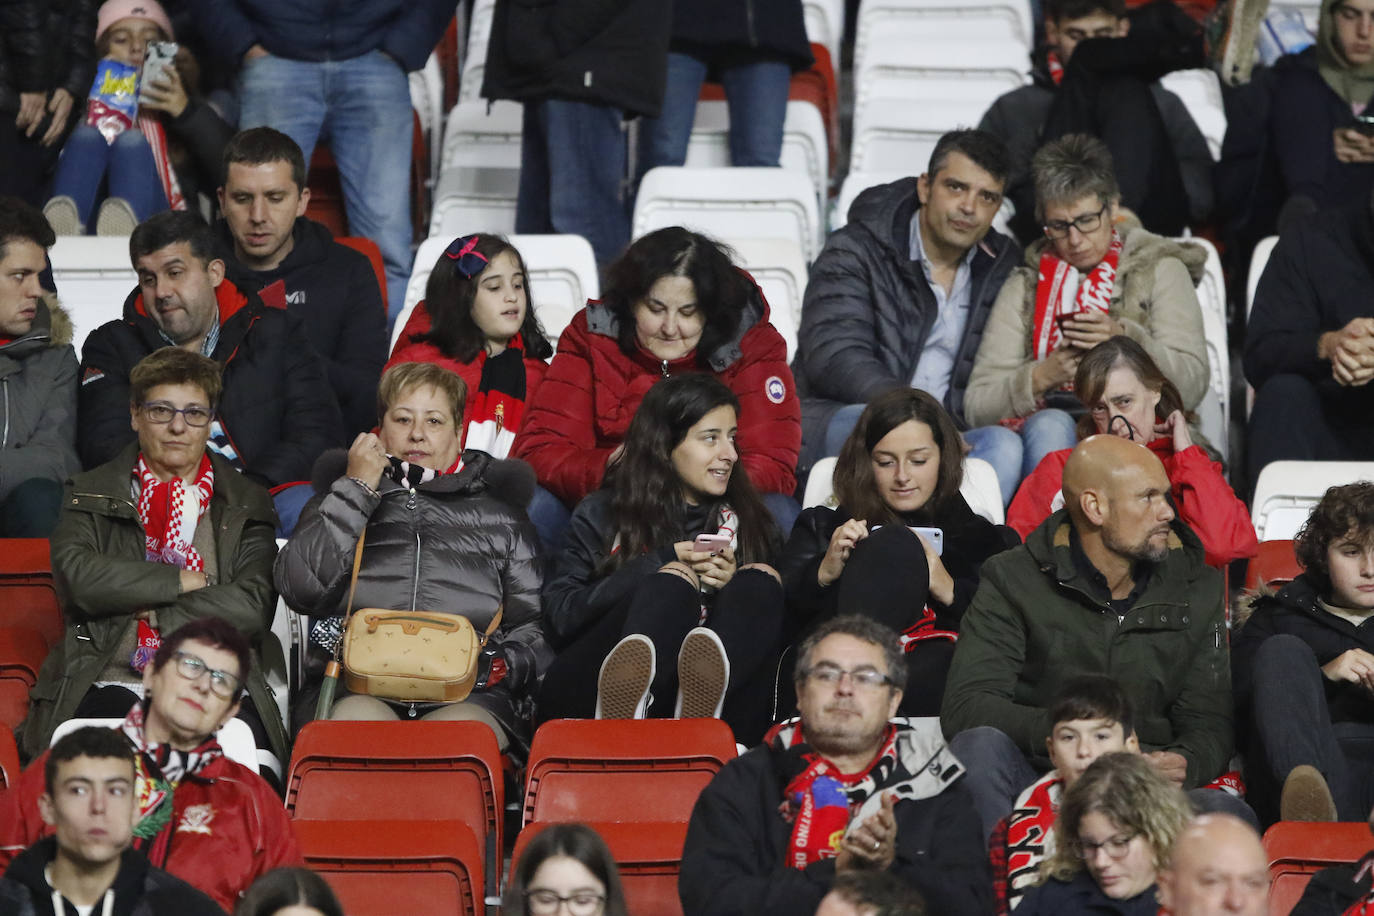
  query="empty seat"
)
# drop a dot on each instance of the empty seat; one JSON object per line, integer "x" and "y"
{"x": 1298, "y": 850}
{"x": 1008, "y": 20}
{"x": 381, "y": 868}
{"x": 972, "y": 73}
{"x": 856, "y": 182}
{"x": 1274, "y": 566}
{"x": 897, "y": 136}
{"x": 1287, "y": 490}
{"x": 1259, "y": 259}
{"x": 779, "y": 269}
{"x": 474, "y": 199}
{"x": 476, "y": 134}
{"x": 648, "y": 856}
{"x": 1214, "y": 411}
{"x": 94, "y": 276}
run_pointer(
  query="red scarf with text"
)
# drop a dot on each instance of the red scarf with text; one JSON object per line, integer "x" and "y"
{"x": 1053, "y": 302}
{"x": 1030, "y": 839}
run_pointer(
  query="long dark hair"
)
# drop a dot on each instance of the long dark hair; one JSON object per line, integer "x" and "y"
{"x": 722, "y": 291}
{"x": 648, "y": 503}
{"x": 1122, "y": 353}
{"x": 284, "y": 887}
{"x": 578, "y": 842}
{"x": 855, "y": 486}
{"x": 448, "y": 298}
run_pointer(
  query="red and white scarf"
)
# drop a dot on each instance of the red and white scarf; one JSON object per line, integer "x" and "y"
{"x": 1059, "y": 294}
{"x": 156, "y": 135}
{"x": 169, "y": 512}
{"x": 1030, "y": 839}
{"x": 158, "y": 770}
{"x": 494, "y": 412}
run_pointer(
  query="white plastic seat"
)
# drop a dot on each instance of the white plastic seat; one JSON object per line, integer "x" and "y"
{"x": 820, "y": 486}
{"x": 469, "y": 200}
{"x": 1214, "y": 411}
{"x": 727, "y": 203}
{"x": 1258, "y": 260}
{"x": 1200, "y": 92}
{"x": 970, "y": 73}
{"x": 804, "y": 142}
{"x": 94, "y": 276}
{"x": 895, "y": 135}
{"x": 943, "y": 19}
{"x": 778, "y": 267}
{"x": 475, "y": 61}
{"x": 427, "y": 98}
{"x": 979, "y": 489}
{"x": 476, "y": 135}
{"x": 235, "y": 737}
{"x": 1287, "y": 491}
{"x": 855, "y": 183}
{"x": 825, "y": 25}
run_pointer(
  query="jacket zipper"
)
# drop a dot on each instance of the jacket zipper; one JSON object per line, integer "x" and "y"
{"x": 5, "y": 442}
{"x": 664, "y": 370}
{"x": 127, "y": 502}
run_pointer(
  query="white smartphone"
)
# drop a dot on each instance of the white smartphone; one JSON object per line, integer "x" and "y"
{"x": 936, "y": 537}
{"x": 711, "y": 543}
{"x": 160, "y": 56}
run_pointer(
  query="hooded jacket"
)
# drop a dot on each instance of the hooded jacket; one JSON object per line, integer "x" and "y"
{"x": 460, "y": 543}
{"x": 334, "y": 291}
{"x": 38, "y": 402}
{"x": 593, "y": 388}
{"x": 46, "y": 45}
{"x": 277, "y": 406}
{"x": 139, "y": 888}
{"x": 868, "y": 310}
{"x": 103, "y": 578}
{"x": 1036, "y": 622}
{"x": 1154, "y": 298}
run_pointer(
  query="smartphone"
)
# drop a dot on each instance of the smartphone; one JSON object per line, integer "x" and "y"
{"x": 711, "y": 543}
{"x": 1365, "y": 125}
{"x": 934, "y": 536}
{"x": 160, "y": 56}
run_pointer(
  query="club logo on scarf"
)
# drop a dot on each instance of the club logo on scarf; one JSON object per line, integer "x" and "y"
{"x": 196, "y": 819}
{"x": 775, "y": 389}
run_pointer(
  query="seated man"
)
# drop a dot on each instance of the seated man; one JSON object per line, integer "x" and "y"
{"x": 1112, "y": 584}
{"x": 38, "y": 369}
{"x": 1309, "y": 344}
{"x": 89, "y": 802}
{"x": 1163, "y": 162}
{"x": 1218, "y": 868}
{"x": 164, "y": 534}
{"x": 278, "y": 413}
{"x": 206, "y": 819}
{"x": 331, "y": 287}
{"x": 899, "y": 296}
{"x": 838, "y": 790}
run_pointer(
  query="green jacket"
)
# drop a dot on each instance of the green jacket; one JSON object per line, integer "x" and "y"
{"x": 1033, "y": 625}
{"x": 102, "y": 578}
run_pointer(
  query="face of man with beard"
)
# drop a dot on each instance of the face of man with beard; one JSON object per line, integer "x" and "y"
{"x": 846, "y": 698}
{"x": 1135, "y": 524}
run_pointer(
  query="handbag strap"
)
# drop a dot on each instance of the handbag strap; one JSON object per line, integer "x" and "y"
{"x": 495, "y": 622}
{"x": 352, "y": 587}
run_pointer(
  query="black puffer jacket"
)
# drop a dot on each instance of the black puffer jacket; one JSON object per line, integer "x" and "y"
{"x": 868, "y": 311}
{"x": 46, "y": 45}
{"x": 459, "y": 543}
{"x": 612, "y": 52}
{"x": 756, "y": 28}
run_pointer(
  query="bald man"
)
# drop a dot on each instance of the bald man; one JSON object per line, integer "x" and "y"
{"x": 1111, "y": 584}
{"x": 1218, "y": 868}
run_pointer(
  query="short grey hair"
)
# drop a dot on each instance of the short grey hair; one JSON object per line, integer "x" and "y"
{"x": 1069, "y": 169}
{"x": 864, "y": 629}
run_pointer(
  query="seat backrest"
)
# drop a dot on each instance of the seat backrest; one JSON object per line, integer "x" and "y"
{"x": 630, "y": 770}
{"x": 478, "y": 135}
{"x": 472, "y": 199}
{"x": 648, "y": 856}
{"x": 975, "y": 71}
{"x": 1258, "y": 260}
{"x": 824, "y": 20}
{"x": 1275, "y": 565}
{"x": 1200, "y": 91}
{"x": 1287, "y": 490}
{"x": 235, "y": 737}
{"x": 368, "y": 248}
{"x": 1214, "y": 411}
{"x": 987, "y": 19}
{"x": 855, "y": 183}
{"x": 805, "y": 146}
{"x": 93, "y": 276}
{"x": 1297, "y": 850}
{"x": 779, "y": 268}
{"x": 979, "y": 489}
{"x": 9, "y": 758}
{"x": 820, "y": 484}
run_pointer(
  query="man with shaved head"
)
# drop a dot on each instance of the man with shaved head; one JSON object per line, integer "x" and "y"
{"x": 1218, "y": 868}
{"x": 1111, "y": 584}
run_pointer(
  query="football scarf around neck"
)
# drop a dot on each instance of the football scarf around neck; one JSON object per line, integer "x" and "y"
{"x": 169, "y": 511}
{"x": 410, "y": 476}
{"x": 1030, "y": 837}
{"x": 159, "y": 769}
{"x": 494, "y": 412}
{"x": 1060, "y": 294}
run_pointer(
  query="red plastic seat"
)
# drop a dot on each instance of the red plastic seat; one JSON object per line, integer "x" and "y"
{"x": 381, "y": 868}
{"x": 648, "y": 855}
{"x": 25, "y": 557}
{"x": 1275, "y": 565}
{"x": 21, "y": 655}
{"x": 622, "y": 771}
{"x": 9, "y": 758}
{"x": 369, "y": 248}
{"x": 1297, "y": 850}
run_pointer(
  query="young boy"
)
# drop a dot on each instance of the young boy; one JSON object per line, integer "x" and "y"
{"x": 1090, "y": 717}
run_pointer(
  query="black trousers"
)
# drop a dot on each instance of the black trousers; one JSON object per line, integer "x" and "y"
{"x": 1297, "y": 418}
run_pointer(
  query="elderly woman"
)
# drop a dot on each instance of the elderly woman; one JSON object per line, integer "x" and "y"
{"x": 445, "y": 532}
{"x": 1092, "y": 277}
{"x": 164, "y": 534}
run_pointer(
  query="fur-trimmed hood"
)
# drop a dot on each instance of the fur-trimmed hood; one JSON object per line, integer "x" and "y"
{"x": 1141, "y": 251}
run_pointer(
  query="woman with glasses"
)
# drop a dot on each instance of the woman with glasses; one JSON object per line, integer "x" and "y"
{"x": 1095, "y": 275}
{"x": 899, "y": 470}
{"x": 477, "y": 321}
{"x": 565, "y": 871}
{"x": 1126, "y": 395}
{"x": 1115, "y": 830}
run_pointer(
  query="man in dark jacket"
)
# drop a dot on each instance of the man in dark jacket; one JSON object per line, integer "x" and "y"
{"x": 37, "y": 380}
{"x": 900, "y": 295}
{"x": 278, "y": 252}
{"x": 277, "y": 414}
{"x": 1111, "y": 584}
{"x": 1309, "y": 343}
{"x": 582, "y": 67}
{"x": 320, "y": 69}
{"x": 843, "y": 788}
{"x": 90, "y": 799}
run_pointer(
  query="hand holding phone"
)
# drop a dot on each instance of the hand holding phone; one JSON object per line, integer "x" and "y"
{"x": 159, "y": 56}
{"x": 711, "y": 543}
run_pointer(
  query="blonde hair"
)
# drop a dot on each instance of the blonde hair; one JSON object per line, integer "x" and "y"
{"x": 404, "y": 377}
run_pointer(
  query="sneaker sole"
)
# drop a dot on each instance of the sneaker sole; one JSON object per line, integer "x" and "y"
{"x": 625, "y": 679}
{"x": 1307, "y": 797}
{"x": 703, "y": 673}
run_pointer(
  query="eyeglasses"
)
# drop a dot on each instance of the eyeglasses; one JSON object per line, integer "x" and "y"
{"x": 159, "y": 412}
{"x": 1088, "y": 222}
{"x": 222, "y": 683}
{"x": 1115, "y": 847}
{"x": 862, "y": 678}
{"x": 544, "y": 902}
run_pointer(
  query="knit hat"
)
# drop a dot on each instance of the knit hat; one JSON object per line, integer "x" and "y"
{"x": 114, "y": 10}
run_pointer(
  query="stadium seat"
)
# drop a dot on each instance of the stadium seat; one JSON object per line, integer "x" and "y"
{"x": 21, "y": 655}
{"x": 648, "y": 856}
{"x": 478, "y": 135}
{"x": 1298, "y": 850}
{"x": 382, "y": 867}
{"x": 1287, "y": 491}
{"x": 967, "y": 72}
{"x": 820, "y": 487}
{"x": 427, "y": 98}
{"x": 622, "y": 770}
{"x": 93, "y": 276}
{"x": 734, "y": 203}
{"x": 1214, "y": 411}
{"x": 1274, "y": 566}
{"x": 9, "y": 758}
{"x": 780, "y": 271}
{"x": 856, "y": 182}
{"x": 979, "y": 489}
{"x": 816, "y": 85}
{"x": 1200, "y": 92}
{"x": 469, "y": 200}
{"x": 825, "y": 24}
{"x": 1008, "y": 20}
{"x": 447, "y": 52}
{"x": 805, "y": 145}
{"x": 235, "y": 737}
{"x": 1258, "y": 260}
{"x": 474, "y": 64}
{"x": 374, "y": 256}
{"x": 897, "y": 136}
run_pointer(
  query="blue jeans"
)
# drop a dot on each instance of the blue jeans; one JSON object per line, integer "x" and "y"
{"x": 362, "y": 107}
{"x": 289, "y": 501}
{"x": 757, "y": 97}
{"x": 550, "y": 519}
{"x": 87, "y": 159}
{"x": 572, "y": 174}
{"x": 1013, "y": 456}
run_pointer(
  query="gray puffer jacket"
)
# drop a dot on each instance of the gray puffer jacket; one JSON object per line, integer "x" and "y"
{"x": 459, "y": 543}
{"x": 38, "y": 402}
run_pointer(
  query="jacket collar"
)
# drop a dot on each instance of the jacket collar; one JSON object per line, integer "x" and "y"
{"x": 1050, "y": 547}
{"x": 52, "y": 327}
{"x": 28, "y": 869}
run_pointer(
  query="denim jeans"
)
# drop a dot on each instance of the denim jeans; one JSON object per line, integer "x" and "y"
{"x": 86, "y": 161}
{"x": 361, "y": 106}
{"x": 757, "y": 97}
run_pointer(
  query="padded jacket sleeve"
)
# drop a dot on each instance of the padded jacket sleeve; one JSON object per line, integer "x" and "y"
{"x": 801, "y": 558}
{"x": 51, "y": 451}
{"x": 769, "y": 436}
{"x": 1035, "y": 497}
{"x": 1285, "y": 324}
{"x": 1211, "y": 508}
{"x": 1000, "y": 385}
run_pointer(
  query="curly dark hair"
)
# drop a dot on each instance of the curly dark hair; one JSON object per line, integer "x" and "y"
{"x": 1343, "y": 512}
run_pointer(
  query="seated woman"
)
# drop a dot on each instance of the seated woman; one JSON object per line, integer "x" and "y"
{"x": 1091, "y": 278}
{"x": 1128, "y": 396}
{"x": 637, "y": 577}
{"x": 900, "y": 468}
{"x": 477, "y": 321}
{"x": 565, "y": 864}
{"x": 445, "y": 532}
{"x": 673, "y": 303}
{"x": 1303, "y": 666}
{"x": 1115, "y": 829}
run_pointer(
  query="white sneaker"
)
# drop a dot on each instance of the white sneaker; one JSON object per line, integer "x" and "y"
{"x": 622, "y": 687}
{"x": 116, "y": 218}
{"x": 61, "y": 214}
{"x": 703, "y": 672}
